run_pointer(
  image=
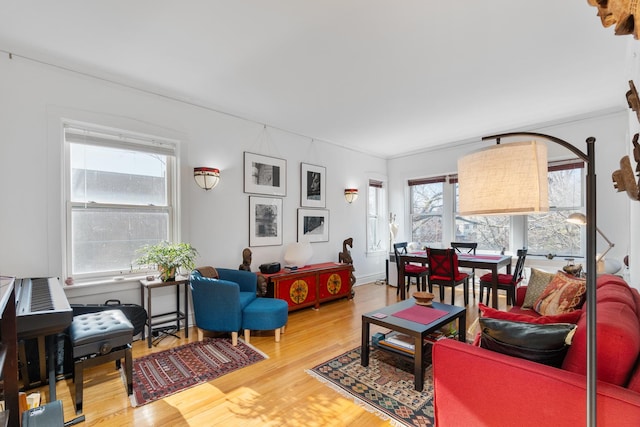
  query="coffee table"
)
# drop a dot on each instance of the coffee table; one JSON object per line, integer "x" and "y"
{"x": 385, "y": 317}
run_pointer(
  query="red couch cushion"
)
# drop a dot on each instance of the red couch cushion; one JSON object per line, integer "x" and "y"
{"x": 618, "y": 334}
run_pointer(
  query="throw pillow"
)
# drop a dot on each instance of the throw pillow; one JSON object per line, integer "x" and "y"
{"x": 570, "y": 317}
{"x": 537, "y": 284}
{"x": 563, "y": 294}
{"x": 547, "y": 344}
{"x": 209, "y": 272}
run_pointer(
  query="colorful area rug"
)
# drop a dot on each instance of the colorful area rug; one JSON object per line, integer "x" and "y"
{"x": 385, "y": 387}
{"x": 161, "y": 374}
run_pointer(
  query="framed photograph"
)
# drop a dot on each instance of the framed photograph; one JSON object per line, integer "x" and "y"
{"x": 265, "y": 175}
{"x": 313, "y": 185}
{"x": 265, "y": 221}
{"x": 313, "y": 225}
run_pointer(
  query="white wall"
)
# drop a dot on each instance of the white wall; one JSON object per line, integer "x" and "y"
{"x": 612, "y": 140}
{"x": 35, "y": 97}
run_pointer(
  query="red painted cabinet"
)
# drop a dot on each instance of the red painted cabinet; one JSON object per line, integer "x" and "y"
{"x": 311, "y": 285}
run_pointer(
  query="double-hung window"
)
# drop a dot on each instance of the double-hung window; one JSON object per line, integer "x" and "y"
{"x": 491, "y": 232}
{"x": 550, "y": 233}
{"x": 375, "y": 216}
{"x": 120, "y": 195}
{"x": 427, "y": 203}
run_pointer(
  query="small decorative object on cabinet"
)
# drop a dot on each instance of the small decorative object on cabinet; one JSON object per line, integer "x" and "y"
{"x": 311, "y": 285}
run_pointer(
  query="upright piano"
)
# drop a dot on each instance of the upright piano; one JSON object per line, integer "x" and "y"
{"x": 42, "y": 311}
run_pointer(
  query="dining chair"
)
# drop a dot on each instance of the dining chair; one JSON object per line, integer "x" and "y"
{"x": 407, "y": 269}
{"x": 443, "y": 271}
{"x": 507, "y": 282}
{"x": 470, "y": 249}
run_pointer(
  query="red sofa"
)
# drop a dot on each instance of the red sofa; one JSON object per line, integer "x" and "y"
{"x": 477, "y": 387}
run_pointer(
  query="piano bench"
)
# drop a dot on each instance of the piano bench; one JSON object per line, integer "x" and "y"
{"x": 99, "y": 338}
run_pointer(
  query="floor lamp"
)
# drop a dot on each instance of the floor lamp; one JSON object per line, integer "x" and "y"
{"x": 509, "y": 179}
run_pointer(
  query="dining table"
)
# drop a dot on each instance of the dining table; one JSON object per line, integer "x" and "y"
{"x": 489, "y": 262}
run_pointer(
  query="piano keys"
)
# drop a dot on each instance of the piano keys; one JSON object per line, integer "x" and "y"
{"x": 42, "y": 311}
{"x": 42, "y": 307}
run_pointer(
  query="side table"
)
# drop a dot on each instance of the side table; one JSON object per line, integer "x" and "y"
{"x": 167, "y": 317}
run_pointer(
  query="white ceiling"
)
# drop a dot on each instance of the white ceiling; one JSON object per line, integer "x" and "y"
{"x": 383, "y": 77}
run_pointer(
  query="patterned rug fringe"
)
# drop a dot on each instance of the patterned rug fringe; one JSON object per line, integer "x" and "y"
{"x": 367, "y": 406}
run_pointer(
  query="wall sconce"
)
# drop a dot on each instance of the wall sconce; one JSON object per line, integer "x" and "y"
{"x": 350, "y": 194}
{"x": 206, "y": 178}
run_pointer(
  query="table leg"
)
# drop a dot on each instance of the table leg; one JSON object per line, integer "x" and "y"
{"x": 177, "y": 308}
{"x": 149, "y": 338}
{"x": 418, "y": 365}
{"x": 186, "y": 309}
{"x": 364, "y": 349}
{"x": 494, "y": 286}
{"x": 462, "y": 327}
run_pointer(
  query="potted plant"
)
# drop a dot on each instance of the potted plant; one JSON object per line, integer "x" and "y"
{"x": 168, "y": 258}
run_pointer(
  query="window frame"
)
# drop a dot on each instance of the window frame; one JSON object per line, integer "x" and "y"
{"x": 557, "y": 166}
{"x": 518, "y": 225}
{"x": 91, "y": 134}
{"x": 441, "y": 179}
{"x": 378, "y": 217}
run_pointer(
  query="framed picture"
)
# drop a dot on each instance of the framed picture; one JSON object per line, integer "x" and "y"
{"x": 265, "y": 175}
{"x": 265, "y": 221}
{"x": 313, "y": 225}
{"x": 312, "y": 185}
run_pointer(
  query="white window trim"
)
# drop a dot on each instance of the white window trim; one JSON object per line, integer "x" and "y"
{"x": 383, "y": 227}
{"x": 153, "y": 143}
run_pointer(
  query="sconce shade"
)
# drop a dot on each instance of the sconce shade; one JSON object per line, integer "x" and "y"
{"x": 350, "y": 194}
{"x": 577, "y": 218}
{"x": 206, "y": 178}
{"x": 504, "y": 179}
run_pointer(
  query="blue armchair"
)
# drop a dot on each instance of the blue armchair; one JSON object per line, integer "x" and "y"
{"x": 218, "y": 303}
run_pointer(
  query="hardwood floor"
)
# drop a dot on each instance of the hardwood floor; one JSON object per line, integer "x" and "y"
{"x": 274, "y": 392}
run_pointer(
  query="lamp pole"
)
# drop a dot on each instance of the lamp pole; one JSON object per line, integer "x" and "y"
{"x": 589, "y": 158}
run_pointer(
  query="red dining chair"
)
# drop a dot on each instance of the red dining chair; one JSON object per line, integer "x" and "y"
{"x": 443, "y": 271}
{"x": 506, "y": 282}
{"x": 468, "y": 248}
{"x": 407, "y": 270}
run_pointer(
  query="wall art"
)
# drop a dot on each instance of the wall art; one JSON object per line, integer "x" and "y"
{"x": 265, "y": 175}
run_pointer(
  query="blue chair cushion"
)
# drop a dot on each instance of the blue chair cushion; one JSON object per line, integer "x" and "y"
{"x": 265, "y": 314}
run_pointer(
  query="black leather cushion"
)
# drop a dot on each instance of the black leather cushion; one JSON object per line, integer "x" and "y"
{"x": 547, "y": 344}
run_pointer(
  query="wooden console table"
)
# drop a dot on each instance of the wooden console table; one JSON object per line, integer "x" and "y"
{"x": 168, "y": 317}
{"x": 311, "y": 285}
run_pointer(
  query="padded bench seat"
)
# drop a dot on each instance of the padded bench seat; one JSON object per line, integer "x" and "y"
{"x": 98, "y": 338}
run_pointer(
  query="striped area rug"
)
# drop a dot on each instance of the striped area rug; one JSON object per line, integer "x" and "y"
{"x": 161, "y": 374}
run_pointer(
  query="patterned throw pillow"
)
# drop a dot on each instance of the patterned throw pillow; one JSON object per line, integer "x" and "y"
{"x": 563, "y": 294}
{"x": 537, "y": 284}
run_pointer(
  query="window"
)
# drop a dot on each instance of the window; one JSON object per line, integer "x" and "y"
{"x": 427, "y": 203}
{"x": 119, "y": 197}
{"x": 550, "y": 233}
{"x": 435, "y": 219}
{"x": 491, "y": 232}
{"x": 375, "y": 216}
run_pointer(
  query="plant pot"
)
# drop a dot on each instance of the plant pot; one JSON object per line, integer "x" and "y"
{"x": 167, "y": 274}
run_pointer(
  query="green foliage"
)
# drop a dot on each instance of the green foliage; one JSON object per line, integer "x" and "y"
{"x": 168, "y": 256}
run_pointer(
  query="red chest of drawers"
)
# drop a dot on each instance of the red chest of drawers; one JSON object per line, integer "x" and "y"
{"x": 311, "y": 285}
